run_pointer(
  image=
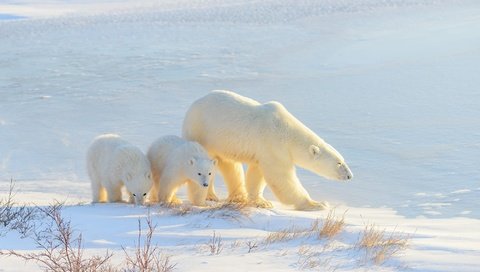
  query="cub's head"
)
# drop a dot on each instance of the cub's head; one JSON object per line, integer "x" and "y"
{"x": 139, "y": 184}
{"x": 325, "y": 161}
{"x": 201, "y": 170}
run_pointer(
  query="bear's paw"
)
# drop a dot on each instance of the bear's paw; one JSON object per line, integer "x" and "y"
{"x": 312, "y": 205}
{"x": 261, "y": 202}
{"x": 237, "y": 198}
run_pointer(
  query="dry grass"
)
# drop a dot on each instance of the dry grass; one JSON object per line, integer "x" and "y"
{"x": 147, "y": 257}
{"x": 182, "y": 210}
{"x": 60, "y": 248}
{"x": 16, "y": 217}
{"x": 332, "y": 226}
{"x": 380, "y": 246}
{"x": 287, "y": 234}
{"x": 215, "y": 244}
{"x": 225, "y": 210}
{"x": 235, "y": 244}
{"x": 311, "y": 259}
{"x": 252, "y": 245}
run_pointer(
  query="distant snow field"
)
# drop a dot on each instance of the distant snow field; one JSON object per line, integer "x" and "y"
{"x": 393, "y": 85}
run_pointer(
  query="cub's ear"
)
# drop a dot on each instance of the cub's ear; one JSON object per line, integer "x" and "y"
{"x": 314, "y": 150}
{"x": 192, "y": 161}
{"x": 214, "y": 161}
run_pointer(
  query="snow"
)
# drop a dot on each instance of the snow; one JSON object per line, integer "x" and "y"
{"x": 391, "y": 84}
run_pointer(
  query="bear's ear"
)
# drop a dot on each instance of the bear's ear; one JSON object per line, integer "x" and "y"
{"x": 214, "y": 161}
{"x": 192, "y": 161}
{"x": 314, "y": 150}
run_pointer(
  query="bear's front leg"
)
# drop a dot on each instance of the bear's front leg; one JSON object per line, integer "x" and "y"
{"x": 167, "y": 191}
{"x": 233, "y": 175}
{"x": 153, "y": 194}
{"x": 114, "y": 193}
{"x": 287, "y": 188}
{"x": 197, "y": 194}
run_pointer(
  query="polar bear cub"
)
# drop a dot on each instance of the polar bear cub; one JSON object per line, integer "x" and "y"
{"x": 175, "y": 162}
{"x": 113, "y": 163}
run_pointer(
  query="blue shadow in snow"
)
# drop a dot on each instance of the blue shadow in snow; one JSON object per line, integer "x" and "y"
{"x": 4, "y": 16}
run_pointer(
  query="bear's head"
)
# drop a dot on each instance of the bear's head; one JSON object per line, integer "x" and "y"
{"x": 139, "y": 183}
{"x": 325, "y": 161}
{"x": 201, "y": 171}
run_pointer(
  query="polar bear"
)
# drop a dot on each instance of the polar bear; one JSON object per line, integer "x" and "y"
{"x": 270, "y": 140}
{"x": 111, "y": 163}
{"x": 175, "y": 162}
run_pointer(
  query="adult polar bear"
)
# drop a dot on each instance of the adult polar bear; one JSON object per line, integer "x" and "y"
{"x": 236, "y": 129}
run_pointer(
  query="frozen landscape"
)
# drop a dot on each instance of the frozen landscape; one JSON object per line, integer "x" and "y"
{"x": 392, "y": 85}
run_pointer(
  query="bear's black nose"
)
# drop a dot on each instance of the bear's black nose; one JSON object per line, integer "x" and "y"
{"x": 205, "y": 185}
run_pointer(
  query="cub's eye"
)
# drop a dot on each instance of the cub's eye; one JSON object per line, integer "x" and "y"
{"x": 199, "y": 174}
{"x": 339, "y": 163}
{"x": 144, "y": 194}
{"x": 209, "y": 174}
{"x": 134, "y": 194}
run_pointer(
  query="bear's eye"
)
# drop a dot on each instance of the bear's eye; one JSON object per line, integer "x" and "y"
{"x": 144, "y": 194}
{"x": 339, "y": 163}
{"x": 134, "y": 194}
{"x": 199, "y": 174}
{"x": 209, "y": 174}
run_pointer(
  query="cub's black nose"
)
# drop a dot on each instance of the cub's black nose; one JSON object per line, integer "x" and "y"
{"x": 205, "y": 185}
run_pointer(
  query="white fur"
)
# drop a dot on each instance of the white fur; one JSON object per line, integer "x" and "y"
{"x": 112, "y": 163}
{"x": 236, "y": 129}
{"x": 175, "y": 162}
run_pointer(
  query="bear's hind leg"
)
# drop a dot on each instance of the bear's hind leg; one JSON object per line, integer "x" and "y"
{"x": 233, "y": 175}
{"x": 255, "y": 184}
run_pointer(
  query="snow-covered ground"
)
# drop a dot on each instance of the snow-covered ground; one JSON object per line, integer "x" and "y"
{"x": 392, "y": 85}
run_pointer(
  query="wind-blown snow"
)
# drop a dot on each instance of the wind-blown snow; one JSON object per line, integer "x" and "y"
{"x": 392, "y": 85}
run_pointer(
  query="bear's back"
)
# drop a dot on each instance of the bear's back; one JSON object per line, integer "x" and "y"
{"x": 235, "y": 126}
{"x": 162, "y": 150}
{"x": 102, "y": 149}
{"x": 109, "y": 153}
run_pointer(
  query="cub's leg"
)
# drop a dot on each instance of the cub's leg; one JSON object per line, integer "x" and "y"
{"x": 99, "y": 194}
{"x": 167, "y": 190}
{"x": 197, "y": 194}
{"x": 114, "y": 193}
{"x": 153, "y": 194}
